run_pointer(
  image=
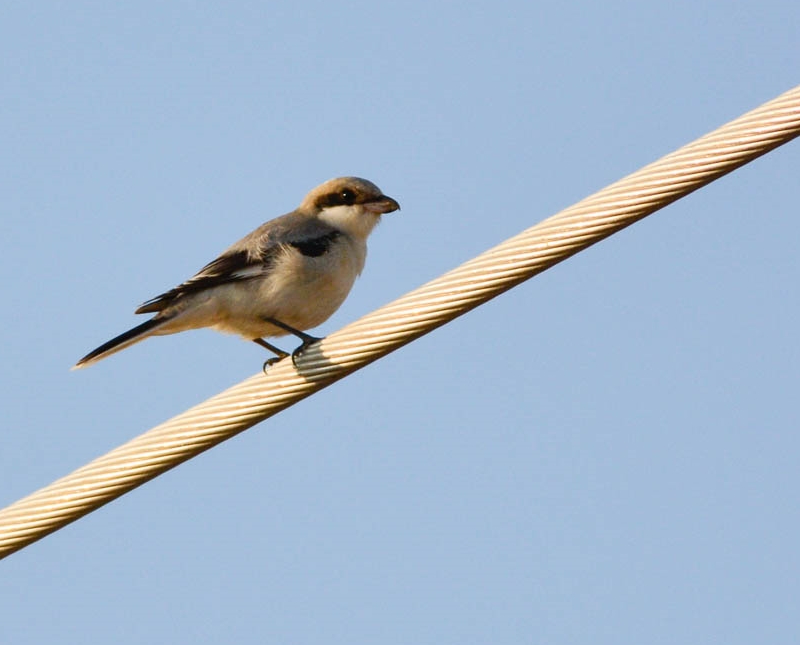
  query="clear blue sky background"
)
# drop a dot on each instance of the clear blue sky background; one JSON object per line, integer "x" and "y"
{"x": 608, "y": 453}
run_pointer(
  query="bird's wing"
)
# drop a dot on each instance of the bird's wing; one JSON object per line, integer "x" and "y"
{"x": 231, "y": 266}
{"x": 251, "y": 257}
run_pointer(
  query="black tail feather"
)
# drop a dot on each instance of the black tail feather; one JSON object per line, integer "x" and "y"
{"x": 140, "y": 332}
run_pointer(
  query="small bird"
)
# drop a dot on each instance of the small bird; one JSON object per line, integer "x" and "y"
{"x": 289, "y": 275}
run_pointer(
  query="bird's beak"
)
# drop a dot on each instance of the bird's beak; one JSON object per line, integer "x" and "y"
{"x": 383, "y": 204}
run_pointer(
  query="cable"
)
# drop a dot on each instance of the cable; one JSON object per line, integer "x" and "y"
{"x": 392, "y": 326}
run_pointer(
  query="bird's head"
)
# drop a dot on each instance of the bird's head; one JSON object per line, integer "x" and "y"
{"x": 351, "y": 204}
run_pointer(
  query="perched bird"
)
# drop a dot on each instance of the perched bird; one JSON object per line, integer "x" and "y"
{"x": 287, "y": 276}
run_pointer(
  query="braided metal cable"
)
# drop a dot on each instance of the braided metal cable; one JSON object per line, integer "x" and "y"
{"x": 401, "y": 321}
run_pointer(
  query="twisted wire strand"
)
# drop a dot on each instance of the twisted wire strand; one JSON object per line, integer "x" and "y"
{"x": 392, "y": 326}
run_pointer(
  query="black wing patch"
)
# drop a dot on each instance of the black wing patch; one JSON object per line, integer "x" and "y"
{"x": 317, "y": 246}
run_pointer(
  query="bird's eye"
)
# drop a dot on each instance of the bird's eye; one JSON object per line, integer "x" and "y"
{"x": 347, "y": 196}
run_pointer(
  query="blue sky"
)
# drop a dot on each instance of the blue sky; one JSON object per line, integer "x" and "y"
{"x": 605, "y": 454}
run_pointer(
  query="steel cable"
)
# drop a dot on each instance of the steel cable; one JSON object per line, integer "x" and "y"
{"x": 401, "y": 321}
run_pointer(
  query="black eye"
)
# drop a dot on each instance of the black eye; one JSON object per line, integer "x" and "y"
{"x": 347, "y": 196}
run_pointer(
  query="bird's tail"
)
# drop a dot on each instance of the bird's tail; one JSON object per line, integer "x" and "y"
{"x": 140, "y": 332}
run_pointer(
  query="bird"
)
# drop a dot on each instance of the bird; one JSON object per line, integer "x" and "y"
{"x": 287, "y": 276}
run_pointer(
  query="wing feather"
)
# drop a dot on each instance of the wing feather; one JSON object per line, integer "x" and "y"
{"x": 251, "y": 257}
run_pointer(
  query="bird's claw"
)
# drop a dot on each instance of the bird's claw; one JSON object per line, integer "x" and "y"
{"x": 307, "y": 342}
{"x": 297, "y": 353}
{"x": 271, "y": 361}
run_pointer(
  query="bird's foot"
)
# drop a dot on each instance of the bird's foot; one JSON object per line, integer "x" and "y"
{"x": 279, "y": 353}
{"x": 307, "y": 342}
{"x": 307, "y": 339}
{"x": 271, "y": 361}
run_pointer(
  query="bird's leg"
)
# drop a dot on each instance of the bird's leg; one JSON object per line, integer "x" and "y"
{"x": 280, "y": 354}
{"x": 306, "y": 338}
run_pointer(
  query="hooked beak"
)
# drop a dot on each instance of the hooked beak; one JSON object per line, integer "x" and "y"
{"x": 382, "y": 204}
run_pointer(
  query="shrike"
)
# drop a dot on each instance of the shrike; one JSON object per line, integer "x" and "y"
{"x": 287, "y": 276}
